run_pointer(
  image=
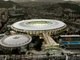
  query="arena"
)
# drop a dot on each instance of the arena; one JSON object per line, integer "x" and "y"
{"x": 15, "y": 40}
{"x": 37, "y": 26}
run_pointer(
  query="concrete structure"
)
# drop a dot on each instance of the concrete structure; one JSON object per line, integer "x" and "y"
{"x": 15, "y": 40}
{"x": 42, "y": 27}
{"x": 39, "y": 26}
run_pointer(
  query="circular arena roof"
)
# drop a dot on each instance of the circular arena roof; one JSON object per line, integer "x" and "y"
{"x": 15, "y": 40}
{"x": 37, "y": 25}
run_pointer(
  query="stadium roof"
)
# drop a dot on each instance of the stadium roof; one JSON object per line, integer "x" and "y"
{"x": 38, "y": 25}
{"x": 15, "y": 40}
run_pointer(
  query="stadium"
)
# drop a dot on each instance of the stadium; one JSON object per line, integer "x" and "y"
{"x": 37, "y": 26}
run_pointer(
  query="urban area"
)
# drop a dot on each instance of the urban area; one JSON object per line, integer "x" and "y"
{"x": 39, "y": 30}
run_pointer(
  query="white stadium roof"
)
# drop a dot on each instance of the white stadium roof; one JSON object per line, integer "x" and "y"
{"x": 37, "y": 25}
{"x": 15, "y": 40}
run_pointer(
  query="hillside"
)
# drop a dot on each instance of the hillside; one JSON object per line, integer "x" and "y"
{"x": 8, "y": 4}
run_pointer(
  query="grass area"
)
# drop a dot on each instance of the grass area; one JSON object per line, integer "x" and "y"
{"x": 38, "y": 22}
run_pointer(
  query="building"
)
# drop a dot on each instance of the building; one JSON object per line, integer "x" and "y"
{"x": 70, "y": 41}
